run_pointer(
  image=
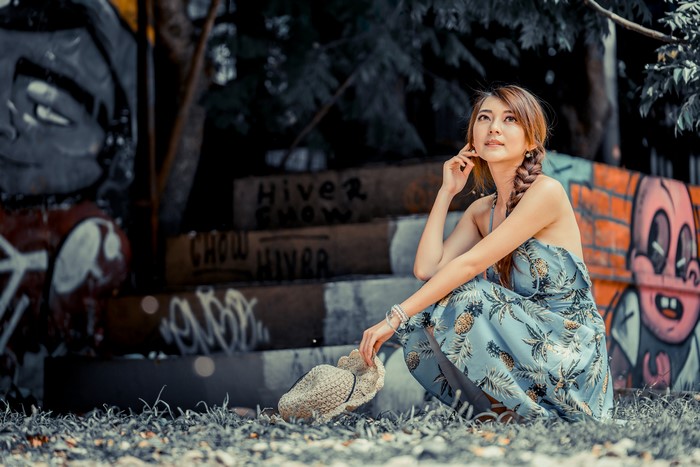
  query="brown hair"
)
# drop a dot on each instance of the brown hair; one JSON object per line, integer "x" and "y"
{"x": 529, "y": 113}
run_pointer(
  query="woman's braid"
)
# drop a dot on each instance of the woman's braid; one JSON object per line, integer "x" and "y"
{"x": 525, "y": 175}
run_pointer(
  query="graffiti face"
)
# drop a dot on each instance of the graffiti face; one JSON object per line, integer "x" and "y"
{"x": 56, "y": 93}
{"x": 664, "y": 258}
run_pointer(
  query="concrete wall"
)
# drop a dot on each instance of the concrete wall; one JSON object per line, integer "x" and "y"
{"x": 67, "y": 145}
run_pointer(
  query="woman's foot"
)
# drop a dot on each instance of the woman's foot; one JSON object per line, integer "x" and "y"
{"x": 499, "y": 412}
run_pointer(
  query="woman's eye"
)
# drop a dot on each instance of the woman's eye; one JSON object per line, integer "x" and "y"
{"x": 48, "y": 115}
{"x": 511, "y": 119}
{"x": 482, "y": 117}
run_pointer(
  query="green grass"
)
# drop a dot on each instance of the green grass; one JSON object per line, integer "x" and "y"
{"x": 645, "y": 427}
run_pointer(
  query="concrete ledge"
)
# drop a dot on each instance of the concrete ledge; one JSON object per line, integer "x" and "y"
{"x": 250, "y": 379}
{"x": 385, "y": 246}
{"x": 338, "y": 197}
{"x": 228, "y": 318}
{"x": 247, "y": 379}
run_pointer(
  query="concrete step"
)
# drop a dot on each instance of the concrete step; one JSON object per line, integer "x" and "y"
{"x": 246, "y": 379}
{"x": 385, "y": 246}
{"x": 231, "y": 318}
{"x": 338, "y": 197}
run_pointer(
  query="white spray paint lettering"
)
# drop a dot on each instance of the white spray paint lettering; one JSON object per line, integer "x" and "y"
{"x": 230, "y": 326}
{"x": 16, "y": 263}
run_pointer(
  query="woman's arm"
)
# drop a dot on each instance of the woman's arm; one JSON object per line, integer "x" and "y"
{"x": 432, "y": 253}
{"x": 540, "y": 206}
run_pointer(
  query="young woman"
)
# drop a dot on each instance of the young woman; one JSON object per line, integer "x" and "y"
{"x": 508, "y": 316}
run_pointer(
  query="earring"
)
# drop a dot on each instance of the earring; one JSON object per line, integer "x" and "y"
{"x": 529, "y": 154}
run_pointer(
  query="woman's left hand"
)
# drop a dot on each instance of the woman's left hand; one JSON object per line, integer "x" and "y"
{"x": 372, "y": 340}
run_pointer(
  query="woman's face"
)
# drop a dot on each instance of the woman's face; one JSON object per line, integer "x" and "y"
{"x": 498, "y": 136}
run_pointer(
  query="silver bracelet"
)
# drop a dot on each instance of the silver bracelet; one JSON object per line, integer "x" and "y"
{"x": 402, "y": 314}
{"x": 389, "y": 314}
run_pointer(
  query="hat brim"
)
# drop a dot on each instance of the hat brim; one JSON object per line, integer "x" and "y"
{"x": 368, "y": 381}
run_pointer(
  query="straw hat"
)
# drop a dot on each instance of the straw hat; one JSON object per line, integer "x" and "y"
{"x": 326, "y": 390}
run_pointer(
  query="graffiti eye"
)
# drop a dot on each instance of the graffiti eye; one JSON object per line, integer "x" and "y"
{"x": 658, "y": 243}
{"x": 684, "y": 252}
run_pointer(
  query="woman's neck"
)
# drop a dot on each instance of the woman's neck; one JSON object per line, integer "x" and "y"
{"x": 503, "y": 176}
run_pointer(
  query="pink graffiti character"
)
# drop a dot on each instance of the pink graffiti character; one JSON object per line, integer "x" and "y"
{"x": 655, "y": 324}
{"x": 664, "y": 259}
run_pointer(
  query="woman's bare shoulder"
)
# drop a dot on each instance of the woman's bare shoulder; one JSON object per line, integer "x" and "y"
{"x": 545, "y": 182}
{"x": 546, "y": 193}
{"x": 546, "y": 186}
{"x": 480, "y": 206}
{"x": 478, "y": 212}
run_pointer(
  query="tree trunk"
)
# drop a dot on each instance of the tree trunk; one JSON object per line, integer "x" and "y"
{"x": 176, "y": 35}
{"x": 587, "y": 124}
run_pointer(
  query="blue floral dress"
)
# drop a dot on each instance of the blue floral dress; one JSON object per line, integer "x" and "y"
{"x": 538, "y": 348}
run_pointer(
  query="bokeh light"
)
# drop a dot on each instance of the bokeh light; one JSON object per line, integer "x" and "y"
{"x": 204, "y": 366}
{"x": 149, "y": 304}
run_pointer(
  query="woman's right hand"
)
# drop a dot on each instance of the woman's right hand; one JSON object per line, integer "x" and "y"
{"x": 456, "y": 170}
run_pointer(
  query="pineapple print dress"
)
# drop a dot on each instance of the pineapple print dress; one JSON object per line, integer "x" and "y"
{"x": 538, "y": 348}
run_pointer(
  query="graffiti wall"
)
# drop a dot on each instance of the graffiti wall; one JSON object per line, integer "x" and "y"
{"x": 217, "y": 319}
{"x": 67, "y": 144}
{"x": 641, "y": 236}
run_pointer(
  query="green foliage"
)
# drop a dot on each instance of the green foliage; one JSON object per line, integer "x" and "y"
{"x": 363, "y": 61}
{"x": 675, "y": 77}
{"x": 386, "y": 50}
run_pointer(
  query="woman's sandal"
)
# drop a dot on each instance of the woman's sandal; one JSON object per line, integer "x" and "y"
{"x": 498, "y": 413}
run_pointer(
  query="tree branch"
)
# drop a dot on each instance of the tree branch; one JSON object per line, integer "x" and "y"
{"x": 632, "y": 26}
{"x": 318, "y": 117}
{"x": 327, "y": 106}
{"x": 190, "y": 86}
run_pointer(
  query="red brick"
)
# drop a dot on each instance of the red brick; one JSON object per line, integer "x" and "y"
{"x": 632, "y": 187}
{"x": 599, "y": 174}
{"x": 601, "y": 203}
{"x": 586, "y": 200}
{"x": 575, "y": 190}
{"x": 595, "y": 201}
{"x": 605, "y": 293}
{"x": 595, "y": 256}
{"x": 621, "y": 209}
{"x": 586, "y": 228}
{"x": 611, "y": 235}
{"x": 618, "y": 261}
{"x": 611, "y": 178}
